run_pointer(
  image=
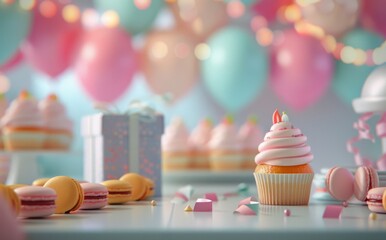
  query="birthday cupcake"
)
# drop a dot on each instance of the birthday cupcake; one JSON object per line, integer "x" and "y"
{"x": 283, "y": 173}
{"x": 22, "y": 124}
{"x": 198, "y": 141}
{"x": 3, "y": 108}
{"x": 56, "y": 123}
{"x": 225, "y": 149}
{"x": 175, "y": 147}
{"x": 250, "y": 137}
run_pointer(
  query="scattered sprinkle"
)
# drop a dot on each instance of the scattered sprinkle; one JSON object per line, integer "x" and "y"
{"x": 345, "y": 204}
{"x": 287, "y": 212}
{"x": 153, "y": 203}
{"x": 188, "y": 209}
{"x": 373, "y": 216}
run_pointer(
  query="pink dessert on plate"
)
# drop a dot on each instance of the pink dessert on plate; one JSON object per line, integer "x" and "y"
{"x": 22, "y": 124}
{"x": 198, "y": 140}
{"x": 225, "y": 149}
{"x": 250, "y": 136}
{"x": 175, "y": 147}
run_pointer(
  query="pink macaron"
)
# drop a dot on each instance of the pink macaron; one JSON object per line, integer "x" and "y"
{"x": 366, "y": 178}
{"x": 95, "y": 196}
{"x": 375, "y": 200}
{"x": 339, "y": 183}
{"x": 36, "y": 201}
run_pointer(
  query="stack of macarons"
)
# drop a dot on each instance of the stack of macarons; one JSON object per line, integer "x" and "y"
{"x": 366, "y": 185}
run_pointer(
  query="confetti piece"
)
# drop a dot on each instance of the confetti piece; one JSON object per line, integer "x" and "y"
{"x": 249, "y": 209}
{"x": 203, "y": 205}
{"x": 332, "y": 211}
{"x": 183, "y": 194}
{"x": 188, "y": 209}
{"x": 248, "y": 200}
{"x": 211, "y": 196}
{"x": 153, "y": 203}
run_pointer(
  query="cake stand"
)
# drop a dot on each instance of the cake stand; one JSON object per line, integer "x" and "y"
{"x": 23, "y": 167}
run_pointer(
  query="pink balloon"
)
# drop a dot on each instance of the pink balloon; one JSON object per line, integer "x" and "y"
{"x": 301, "y": 70}
{"x": 373, "y": 15}
{"x": 13, "y": 62}
{"x": 52, "y": 41}
{"x": 106, "y": 63}
{"x": 269, "y": 8}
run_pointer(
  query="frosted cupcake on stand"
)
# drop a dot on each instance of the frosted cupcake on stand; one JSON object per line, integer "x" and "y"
{"x": 57, "y": 124}
{"x": 22, "y": 124}
{"x": 175, "y": 147}
{"x": 250, "y": 136}
{"x": 198, "y": 141}
{"x": 225, "y": 149}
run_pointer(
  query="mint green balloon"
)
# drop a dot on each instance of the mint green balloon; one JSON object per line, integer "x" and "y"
{"x": 349, "y": 78}
{"x": 236, "y": 70}
{"x": 14, "y": 26}
{"x": 133, "y": 19}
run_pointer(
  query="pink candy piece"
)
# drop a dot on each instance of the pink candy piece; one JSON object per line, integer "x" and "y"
{"x": 332, "y": 211}
{"x": 211, "y": 196}
{"x": 203, "y": 205}
{"x": 345, "y": 204}
{"x": 287, "y": 212}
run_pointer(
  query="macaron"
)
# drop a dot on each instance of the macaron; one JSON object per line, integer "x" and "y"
{"x": 69, "y": 193}
{"x": 137, "y": 183}
{"x": 339, "y": 183}
{"x": 366, "y": 178}
{"x": 11, "y": 197}
{"x": 36, "y": 201}
{"x": 118, "y": 191}
{"x": 40, "y": 181}
{"x": 95, "y": 196}
{"x": 149, "y": 189}
{"x": 17, "y": 185}
{"x": 376, "y": 200}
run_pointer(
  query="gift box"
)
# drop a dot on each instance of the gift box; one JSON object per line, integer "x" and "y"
{"x": 115, "y": 144}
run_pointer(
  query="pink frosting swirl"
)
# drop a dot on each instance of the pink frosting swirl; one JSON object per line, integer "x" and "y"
{"x": 284, "y": 145}
{"x": 224, "y": 137}
{"x": 55, "y": 115}
{"x": 23, "y": 112}
{"x": 175, "y": 138}
{"x": 200, "y": 136}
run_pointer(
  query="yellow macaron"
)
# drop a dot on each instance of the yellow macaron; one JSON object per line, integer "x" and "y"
{"x": 40, "y": 181}
{"x": 11, "y": 197}
{"x": 17, "y": 185}
{"x": 119, "y": 191}
{"x": 149, "y": 189}
{"x": 138, "y": 185}
{"x": 69, "y": 193}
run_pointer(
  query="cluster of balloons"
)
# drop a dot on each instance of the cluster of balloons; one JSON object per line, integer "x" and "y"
{"x": 231, "y": 65}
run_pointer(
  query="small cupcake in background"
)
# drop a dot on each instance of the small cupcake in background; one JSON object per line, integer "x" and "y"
{"x": 198, "y": 141}
{"x": 56, "y": 123}
{"x": 225, "y": 149}
{"x": 22, "y": 124}
{"x": 175, "y": 147}
{"x": 250, "y": 136}
{"x": 3, "y": 108}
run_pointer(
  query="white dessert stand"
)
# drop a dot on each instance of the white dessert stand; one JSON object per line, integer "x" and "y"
{"x": 23, "y": 167}
{"x": 373, "y": 96}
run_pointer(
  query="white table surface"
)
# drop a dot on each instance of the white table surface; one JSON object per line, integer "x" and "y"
{"x": 140, "y": 220}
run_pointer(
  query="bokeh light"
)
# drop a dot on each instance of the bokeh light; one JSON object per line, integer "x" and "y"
{"x": 27, "y": 4}
{"x": 347, "y": 54}
{"x": 202, "y": 51}
{"x": 292, "y": 13}
{"x": 110, "y": 18}
{"x": 90, "y": 18}
{"x": 142, "y": 4}
{"x": 264, "y": 36}
{"x": 258, "y": 22}
{"x": 8, "y": 1}
{"x": 235, "y": 9}
{"x": 158, "y": 50}
{"x": 48, "y": 9}
{"x": 71, "y": 13}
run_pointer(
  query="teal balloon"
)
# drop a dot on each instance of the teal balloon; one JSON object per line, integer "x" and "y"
{"x": 14, "y": 26}
{"x": 131, "y": 17}
{"x": 236, "y": 70}
{"x": 349, "y": 78}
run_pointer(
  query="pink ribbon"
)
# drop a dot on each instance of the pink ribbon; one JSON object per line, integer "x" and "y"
{"x": 363, "y": 133}
{"x": 381, "y": 132}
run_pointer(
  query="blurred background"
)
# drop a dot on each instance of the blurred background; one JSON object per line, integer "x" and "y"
{"x": 243, "y": 58}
